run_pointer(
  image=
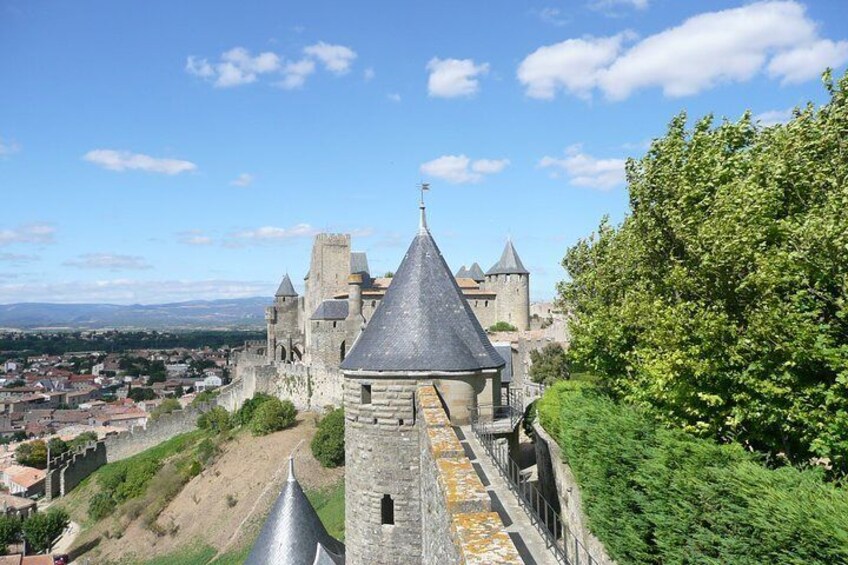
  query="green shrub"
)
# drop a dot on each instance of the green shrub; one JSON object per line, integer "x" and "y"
{"x": 168, "y": 405}
{"x": 328, "y": 445}
{"x": 42, "y": 528}
{"x": 10, "y": 531}
{"x": 271, "y": 416}
{"x": 82, "y": 440}
{"x": 548, "y": 365}
{"x": 529, "y": 420}
{"x": 204, "y": 397}
{"x": 244, "y": 414}
{"x": 502, "y": 327}
{"x": 32, "y": 454}
{"x": 216, "y": 420}
{"x": 101, "y": 505}
{"x": 654, "y": 495}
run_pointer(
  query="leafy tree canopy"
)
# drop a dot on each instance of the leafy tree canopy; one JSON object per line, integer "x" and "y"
{"x": 32, "y": 454}
{"x": 550, "y": 364}
{"x": 721, "y": 302}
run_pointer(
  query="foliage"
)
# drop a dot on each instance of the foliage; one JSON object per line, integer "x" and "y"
{"x": 140, "y": 393}
{"x": 57, "y": 446}
{"x": 82, "y": 440}
{"x": 10, "y": 531}
{"x": 502, "y": 327}
{"x": 272, "y": 415}
{"x": 42, "y": 528}
{"x": 32, "y": 454}
{"x": 530, "y": 418}
{"x": 548, "y": 365}
{"x": 721, "y": 301}
{"x": 216, "y": 420}
{"x": 328, "y": 444}
{"x": 389, "y": 275}
{"x": 654, "y": 495}
{"x": 168, "y": 405}
{"x": 204, "y": 397}
{"x": 101, "y": 505}
{"x": 244, "y": 414}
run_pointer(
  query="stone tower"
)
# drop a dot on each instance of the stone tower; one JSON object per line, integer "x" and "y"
{"x": 328, "y": 272}
{"x": 511, "y": 281}
{"x": 283, "y": 323}
{"x": 422, "y": 331}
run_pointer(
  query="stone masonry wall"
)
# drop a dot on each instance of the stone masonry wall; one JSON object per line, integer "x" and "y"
{"x": 457, "y": 523}
{"x": 556, "y": 481}
{"x": 70, "y": 468}
{"x": 137, "y": 440}
{"x": 309, "y": 387}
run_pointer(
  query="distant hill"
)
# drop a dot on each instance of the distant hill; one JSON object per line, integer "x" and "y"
{"x": 229, "y": 313}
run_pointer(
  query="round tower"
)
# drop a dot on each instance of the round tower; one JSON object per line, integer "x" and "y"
{"x": 511, "y": 281}
{"x": 422, "y": 331}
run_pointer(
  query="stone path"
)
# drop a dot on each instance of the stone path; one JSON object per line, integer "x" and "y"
{"x": 529, "y": 542}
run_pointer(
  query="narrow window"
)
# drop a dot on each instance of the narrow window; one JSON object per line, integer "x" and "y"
{"x": 373, "y": 304}
{"x": 486, "y": 304}
{"x": 334, "y": 324}
{"x": 342, "y": 351}
{"x": 366, "y": 394}
{"x": 387, "y": 510}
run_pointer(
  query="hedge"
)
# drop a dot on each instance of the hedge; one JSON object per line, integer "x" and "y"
{"x": 654, "y": 495}
{"x": 328, "y": 445}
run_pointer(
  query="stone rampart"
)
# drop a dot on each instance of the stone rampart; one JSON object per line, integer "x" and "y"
{"x": 70, "y": 468}
{"x": 309, "y": 387}
{"x": 556, "y": 481}
{"x": 135, "y": 441}
{"x": 457, "y": 525}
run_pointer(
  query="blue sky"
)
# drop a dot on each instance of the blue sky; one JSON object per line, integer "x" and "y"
{"x": 163, "y": 151}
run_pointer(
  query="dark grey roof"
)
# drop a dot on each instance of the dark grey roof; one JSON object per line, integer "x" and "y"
{"x": 286, "y": 288}
{"x": 423, "y": 323}
{"x": 509, "y": 263}
{"x": 331, "y": 309}
{"x": 476, "y": 273}
{"x": 293, "y": 533}
{"x": 462, "y": 273}
{"x": 505, "y": 351}
{"x": 359, "y": 262}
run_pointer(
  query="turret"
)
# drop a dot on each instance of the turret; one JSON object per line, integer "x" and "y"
{"x": 283, "y": 324}
{"x": 355, "y": 320}
{"x": 511, "y": 281}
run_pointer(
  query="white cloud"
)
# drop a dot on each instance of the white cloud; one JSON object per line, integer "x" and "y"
{"x": 705, "y": 50}
{"x": 17, "y": 258}
{"x": 295, "y": 74}
{"x": 553, "y": 16}
{"x": 584, "y": 170}
{"x": 266, "y": 234}
{"x": 393, "y": 96}
{"x": 773, "y": 117}
{"x": 120, "y": 161}
{"x": 8, "y": 147}
{"x": 236, "y": 67}
{"x": 451, "y": 78}
{"x": 459, "y": 169}
{"x": 194, "y": 237}
{"x": 129, "y": 291}
{"x": 108, "y": 261}
{"x": 28, "y": 233}
{"x": 369, "y": 74}
{"x": 243, "y": 180}
{"x": 613, "y": 7}
{"x": 573, "y": 65}
{"x": 336, "y": 58}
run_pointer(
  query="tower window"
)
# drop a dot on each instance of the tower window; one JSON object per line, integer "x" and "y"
{"x": 387, "y": 510}
{"x": 366, "y": 394}
{"x": 334, "y": 324}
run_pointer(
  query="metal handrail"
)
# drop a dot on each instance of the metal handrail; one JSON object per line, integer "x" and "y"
{"x": 567, "y": 547}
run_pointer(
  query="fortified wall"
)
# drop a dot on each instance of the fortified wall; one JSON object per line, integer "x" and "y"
{"x": 69, "y": 469}
{"x": 457, "y": 522}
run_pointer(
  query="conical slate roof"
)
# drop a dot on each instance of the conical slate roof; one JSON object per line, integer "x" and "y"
{"x": 286, "y": 288}
{"x": 359, "y": 262}
{"x": 293, "y": 533}
{"x": 462, "y": 273}
{"x": 476, "y": 273}
{"x": 509, "y": 263}
{"x": 423, "y": 322}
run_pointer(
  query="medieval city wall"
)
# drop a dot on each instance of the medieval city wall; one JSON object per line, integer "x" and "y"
{"x": 127, "y": 444}
{"x": 309, "y": 387}
{"x": 556, "y": 482}
{"x": 70, "y": 468}
{"x": 457, "y": 523}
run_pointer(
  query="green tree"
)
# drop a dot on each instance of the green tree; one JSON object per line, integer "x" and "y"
{"x": 244, "y": 414}
{"x": 166, "y": 407}
{"x": 720, "y": 302}
{"x": 328, "y": 445}
{"x": 57, "y": 446}
{"x": 139, "y": 393}
{"x": 10, "y": 532}
{"x": 82, "y": 440}
{"x": 549, "y": 364}
{"x": 502, "y": 327}
{"x": 32, "y": 454}
{"x": 217, "y": 420}
{"x": 42, "y": 528}
{"x": 272, "y": 415}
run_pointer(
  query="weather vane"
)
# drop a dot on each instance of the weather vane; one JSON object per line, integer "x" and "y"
{"x": 424, "y": 187}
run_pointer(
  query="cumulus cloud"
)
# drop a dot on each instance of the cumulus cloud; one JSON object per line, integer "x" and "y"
{"x": 584, "y": 170}
{"x": 194, "y": 237}
{"x": 130, "y": 291}
{"x": 460, "y": 169}
{"x": 452, "y": 78}
{"x": 109, "y": 262}
{"x": 115, "y": 160}
{"x": 17, "y": 258}
{"x": 243, "y": 180}
{"x": 773, "y": 117}
{"x": 270, "y": 234}
{"x": 614, "y": 7}
{"x": 553, "y": 16}
{"x": 238, "y": 66}
{"x": 28, "y": 233}
{"x": 8, "y": 147}
{"x": 335, "y": 58}
{"x": 394, "y": 97}
{"x": 734, "y": 45}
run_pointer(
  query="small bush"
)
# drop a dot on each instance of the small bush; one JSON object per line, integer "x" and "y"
{"x": 503, "y": 327}
{"x": 168, "y": 405}
{"x": 548, "y": 365}
{"x": 244, "y": 415}
{"x": 271, "y": 416}
{"x": 101, "y": 505}
{"x": 328, "y": 445}
{"x": 216, "y": 420}
{"x": 10, "y": 531}
{"x": 42, "y": 528}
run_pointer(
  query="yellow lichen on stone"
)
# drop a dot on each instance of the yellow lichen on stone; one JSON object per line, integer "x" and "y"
{"x": 481, "y": 540}
{"x": 463, "y": 490}
{"x": 444, "y": 443}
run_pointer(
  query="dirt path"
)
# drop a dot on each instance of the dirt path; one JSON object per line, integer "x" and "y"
{"x": 63, "y": 544}
{"x": 225, "y": 505}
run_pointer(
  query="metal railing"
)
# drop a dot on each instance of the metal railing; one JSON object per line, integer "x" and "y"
{"x": 566, "y": 547}
{"x": 511, "y": 396}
